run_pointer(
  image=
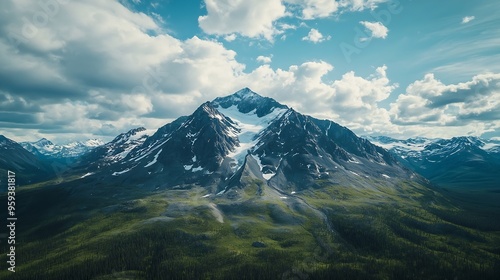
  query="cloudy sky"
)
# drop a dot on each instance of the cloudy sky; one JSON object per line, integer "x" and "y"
{"x": 93, "y": 69}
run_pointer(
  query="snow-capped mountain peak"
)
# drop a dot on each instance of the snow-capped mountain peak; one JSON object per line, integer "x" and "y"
{"x": 251, "y": 113}
{"x": 247, "y": 101}
{"x": 42, "y": 143}
{"x": 241, "y": 94}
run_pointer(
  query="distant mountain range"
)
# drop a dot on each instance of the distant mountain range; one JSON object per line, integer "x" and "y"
{"x": 468, "y": 162}
{"x": 46, "y": 148}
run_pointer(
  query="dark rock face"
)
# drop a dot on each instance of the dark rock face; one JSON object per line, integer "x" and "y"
{"x": 201, "y": 142}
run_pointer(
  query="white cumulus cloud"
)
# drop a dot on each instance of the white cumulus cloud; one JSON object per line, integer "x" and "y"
{"x": 377, "y": 29}
{"x": 315, "y": 36}
{"x": 311, "y": 9}
{"x": 468, "y": 19}
{"x": 110, "y": 67}
{"x": 360, "y": 5}
{"x": 249, "y": 18}
{"x": 261, "y": 18}
{"x": 472, "y": 106}
{"x": 314, "y": 9}
{"x": 264, "y": 59}
{"x": 230, "y": 37}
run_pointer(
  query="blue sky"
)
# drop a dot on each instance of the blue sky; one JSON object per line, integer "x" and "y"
{"x": 93, "y": 69}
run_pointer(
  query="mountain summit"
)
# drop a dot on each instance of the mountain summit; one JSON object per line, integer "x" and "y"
{"x": 246, "y": 134}
{"x": 246, "y": 101}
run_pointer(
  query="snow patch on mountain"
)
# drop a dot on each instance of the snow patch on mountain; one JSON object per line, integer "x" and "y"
{"x": 155, "y": 159}
{"x": 121, "y": 172}
{"x": 147, "y": 152}
{"x": 87, "y": 174}
{"x": 266, "y": 176}
{"x": 249, "y": 125}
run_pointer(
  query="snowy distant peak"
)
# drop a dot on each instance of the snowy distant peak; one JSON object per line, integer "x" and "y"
{"x": 71, "y": 150}
{"x": 468, "y": 140}
{"x": 93, "y": 143}
{"x": 457, "y": 161}
{"x": 417, "y": 140}
{"x": 382, "y": 139}
{"x": 133, "y": 134}
{"x": 420, "y": 147}
{"x": 457, "y": 143}
{"x": 416, "y": 144}
{"x": 42, "y": 143}
{"x": 389, "y": 140}
{"x": 247, "y": 101}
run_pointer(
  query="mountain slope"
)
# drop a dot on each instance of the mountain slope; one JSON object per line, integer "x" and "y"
{"x": 28, "y": 167}
{"x": 302, "y": 150}
{"x": 185, "y": 151}
{"x": 112, "y": 152}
